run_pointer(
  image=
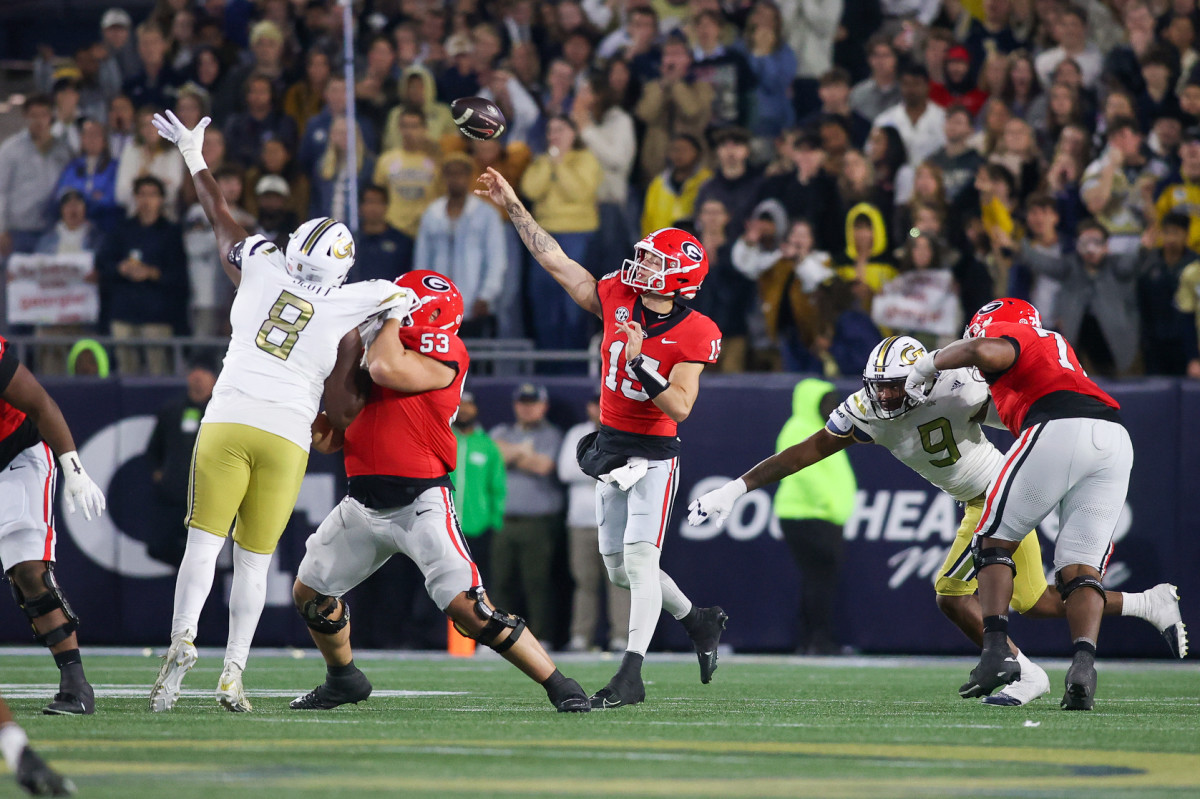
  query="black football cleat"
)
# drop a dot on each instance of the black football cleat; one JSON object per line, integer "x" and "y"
{"x": 619, "y": 694}
{"x": 1081, "y": 683}
{"x": 78, "y": 700}
{"x": 570, "y": 698}
{"x": 330, "y": 694}
{"x": 997, "y": 666}
{"x": 706, "y": 635}
{"x": 38, "y": 779}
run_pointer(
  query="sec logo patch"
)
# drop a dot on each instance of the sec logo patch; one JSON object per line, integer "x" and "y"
{"x": 622, "y": 314}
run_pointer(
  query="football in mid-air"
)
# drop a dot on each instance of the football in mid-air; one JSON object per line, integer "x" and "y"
{"x": 477, "y": 118}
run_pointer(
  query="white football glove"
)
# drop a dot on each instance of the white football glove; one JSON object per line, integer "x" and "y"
{"x": 79, "y": 488}
{"x": 717, "y": 504}
{"x": 627, "y": 476}
{"x": 189, "y": 142}
{"x": 920, "y": 380}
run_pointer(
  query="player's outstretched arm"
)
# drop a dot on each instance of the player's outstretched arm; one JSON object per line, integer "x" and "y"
{"x": 190, "y": 142}
{"x": 578, "y": 281}
{"x": 989, "y": 355}
{"x": 395, "y": 366}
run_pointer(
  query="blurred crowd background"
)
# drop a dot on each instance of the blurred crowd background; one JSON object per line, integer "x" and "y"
{"x": 854, "y": 169}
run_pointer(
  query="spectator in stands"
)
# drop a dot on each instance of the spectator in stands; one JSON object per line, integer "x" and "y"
{"x": 1023, "y": 91}
{"x": 1017, "y": 151}
{"x": 1116, "y": 184}
{"x": 999, "y": 220}
{"x": 1041, "y": 217}
{"x": 185, "y": 41}
{"x": 149, "y": 154}
{"x": 72, "y": 234}
{"x": 1063, "y": 109}
{"x": 1168, "y": 332}
{"x": 1158, "y": 99}
{"x": 786, "y": 291}
{"x": 208, "y": 72}
{"x": 672, "y": 104}
{"x": 120, "y": 59}
{"x": 857, "y": 184}
{"x": 410, "y": 173}
{"x": 992, "y": 33}
{"x": 419, "y": 91}
{"x": 499, "y": 85}
{"x": 523, "y": 550}
{"x": 480, "y": 485}
{"x": 462, "y": 237}
{"x": 143, "y": 279}
{"x": 556, "y": 98}
{"x": 928, "y": 191}
{"x": 730, "y": 299}
{"x": 866, "y": 260}
{"x": 93, "y": 91}
{"x": 734, "y": 182}
{"x": 834, "y": 91}
{"x": 458, "y": 78}
{"x": 1074, "y": 44}
{"x": 889, "y": 161}
{"x": 671, "y": 197}
{"x": 958, "y": 87}
{"x": 211, "y": 293}
{"x": 120, "y": 125}
{"x": 1122, "y": 63}
{"x": 810, "y": 29}
{"x": 919, "y": 122}
{"x": 330, "y": 194}
{"x": 808, "y": 192}
{"x": 607, "y": 130}
{"x": 637, "y": 43}
{"x": 276, "y": 220}
{"x": 275, "y": 159}
{"x": 1187, "y": 300}
{"x": 510, "y": 160}
{"x": 1182, "y": 189}
{"x": 1097, "y": 307}
{"x": 304, "y": 98}
{"x": 316, "y": 134}
{"x": 1179, "y": 44}
{"x": 88, "y": 358}
{"x": 155, "y": 82}
{"x": 169, "y": 453}
{"x": 246, "y": 132}
{"x": 376, "y": 89}
{"x": 924, "y": 276}
{"x": 381, "y": 251}
{"x": 94, "y": 175}
{"x": 66, "y": 108}
{"x": 30, "y": 164}
{"x": 725, "y": 69}
{"x": 564, "y": 186}
{"x": 773, "y": 63}
{"x": 881, "y": 91}
{"x": 266, "y": 59}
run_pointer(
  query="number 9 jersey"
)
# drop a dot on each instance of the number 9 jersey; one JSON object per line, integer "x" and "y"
{"x": 285, "y": 340}
{"x": 682, "y": 336}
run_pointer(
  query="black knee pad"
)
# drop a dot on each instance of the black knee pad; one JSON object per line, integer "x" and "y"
{"x": 48, "y": 602}
{"x": 992, "y": 556}
{"x": 497, "y": 622}
{"x": 1085, "y": 581}
{"x": 319, "y": 620}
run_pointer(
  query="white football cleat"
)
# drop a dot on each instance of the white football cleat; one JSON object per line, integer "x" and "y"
{"x": 230, "y": 693}
{"x": 179, "y": 659}
{"x": 1163, "y": 612}
{"x": 1034, "y": 682}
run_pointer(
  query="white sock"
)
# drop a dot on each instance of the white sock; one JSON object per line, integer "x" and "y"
{"x": 1135, "y": 605}
{"x": 646, "y": 596}
{"x": 246, "y": 600}
{"x": 674, "y": 601}
{"x": 1025, "y": 663}
{"x": 194, "y": 581}
{"x": 12, "y": 742}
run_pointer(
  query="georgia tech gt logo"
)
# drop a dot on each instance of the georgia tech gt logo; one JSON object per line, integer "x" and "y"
{"x": 343, "y": 248}
{"x": 910, "y": 355}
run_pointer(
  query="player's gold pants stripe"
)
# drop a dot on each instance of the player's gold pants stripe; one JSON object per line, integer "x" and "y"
{"x": 957, "y": 575}
{"x": 247, "y": 479}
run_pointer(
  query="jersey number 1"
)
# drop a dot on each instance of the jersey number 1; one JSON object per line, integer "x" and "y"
{"x": 280, "y": 332}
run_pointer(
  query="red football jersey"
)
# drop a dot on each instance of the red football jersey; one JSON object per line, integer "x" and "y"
{"x": 409, "y": 435}
{"x": 1046, "y": 363}
{"x": 10, "y": 417}
{"x": 689, "y": 337}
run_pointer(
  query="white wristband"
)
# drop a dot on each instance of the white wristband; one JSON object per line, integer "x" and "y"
{"x": 194, "y": 160}
{"x": 741, "y": 486}
{"x": 12, "y": 742}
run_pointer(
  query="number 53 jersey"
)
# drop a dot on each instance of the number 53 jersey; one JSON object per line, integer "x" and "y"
{"x": 941, "y": 440}
{"x": 285, "y": 340}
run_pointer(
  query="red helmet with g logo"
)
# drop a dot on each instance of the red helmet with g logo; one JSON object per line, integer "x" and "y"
{"x": 1005, "y": 309}
{"x": 668, "y": 262}
{"x": 441, "y": 304}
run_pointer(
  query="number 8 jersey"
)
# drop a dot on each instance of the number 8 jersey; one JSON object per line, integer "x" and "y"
{"x": 682, "y": 336}
{"x": 284, "y": 343}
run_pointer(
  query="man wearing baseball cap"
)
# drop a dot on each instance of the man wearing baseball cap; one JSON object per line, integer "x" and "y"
{"x": 959, "y": 87}
{"x": 274, "y": 218}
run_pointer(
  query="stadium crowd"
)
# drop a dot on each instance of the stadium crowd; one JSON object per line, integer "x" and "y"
{"x": 852, "y": 168}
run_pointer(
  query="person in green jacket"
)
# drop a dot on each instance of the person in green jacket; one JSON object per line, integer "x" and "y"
{"x": 479, "y": 483}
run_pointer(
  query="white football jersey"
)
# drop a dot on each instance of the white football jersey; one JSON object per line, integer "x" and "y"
{"x": 941, "y": 440}
{"x": 285, "y": 341}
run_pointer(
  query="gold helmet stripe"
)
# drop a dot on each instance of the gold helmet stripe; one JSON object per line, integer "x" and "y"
{"x": 315, "y": 235}
{"x": 881, "y": 361}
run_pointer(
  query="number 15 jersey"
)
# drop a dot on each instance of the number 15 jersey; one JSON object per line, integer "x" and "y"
{"x": 284, "y": 343}
{"x": 683, "y": 336}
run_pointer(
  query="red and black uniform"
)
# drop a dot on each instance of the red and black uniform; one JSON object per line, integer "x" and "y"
{"x": 401, "y": 444}
{"x": 17, "y": 431}
{"x": 1045, "y": 381}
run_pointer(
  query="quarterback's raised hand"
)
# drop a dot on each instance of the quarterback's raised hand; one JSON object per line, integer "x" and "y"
{"x": 717, "y": 504}
{"x": 496, "y": 189}
{"x": 920, "y": 380}
{"x": 189, "y": 142}
{"x": 79, "y": 488}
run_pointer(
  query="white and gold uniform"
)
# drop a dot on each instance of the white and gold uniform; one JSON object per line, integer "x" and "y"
{"x": 252, "y": 449}
{"x": 942, "y": 441}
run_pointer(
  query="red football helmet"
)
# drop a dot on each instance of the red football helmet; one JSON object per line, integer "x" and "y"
{"x": 1005, "y": 309}
{"x": 668, "y": 262}
{"x": 441, "y": 302}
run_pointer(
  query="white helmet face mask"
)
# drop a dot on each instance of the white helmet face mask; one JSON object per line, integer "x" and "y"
{"x": 648, "y": 269}
{"x": 888, "y": 367}
{"x": 321, "y": 251}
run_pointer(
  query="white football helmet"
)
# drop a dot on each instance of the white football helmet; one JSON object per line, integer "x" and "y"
{"x": 321, "y": 251}
{"x": 887, "y": 369}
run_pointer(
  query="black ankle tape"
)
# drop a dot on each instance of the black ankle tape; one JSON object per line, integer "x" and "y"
{"x": 631, "y": 665}
{"x": 995, "y": 624}
{"x": 554, "y": 680}
{"x": 68, "y": 658}
{"x": 342, "y": 671}
{"x": 1084, "y": 646}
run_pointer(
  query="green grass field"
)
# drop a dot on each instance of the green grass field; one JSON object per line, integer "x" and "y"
{"x": 765, "y": 727}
